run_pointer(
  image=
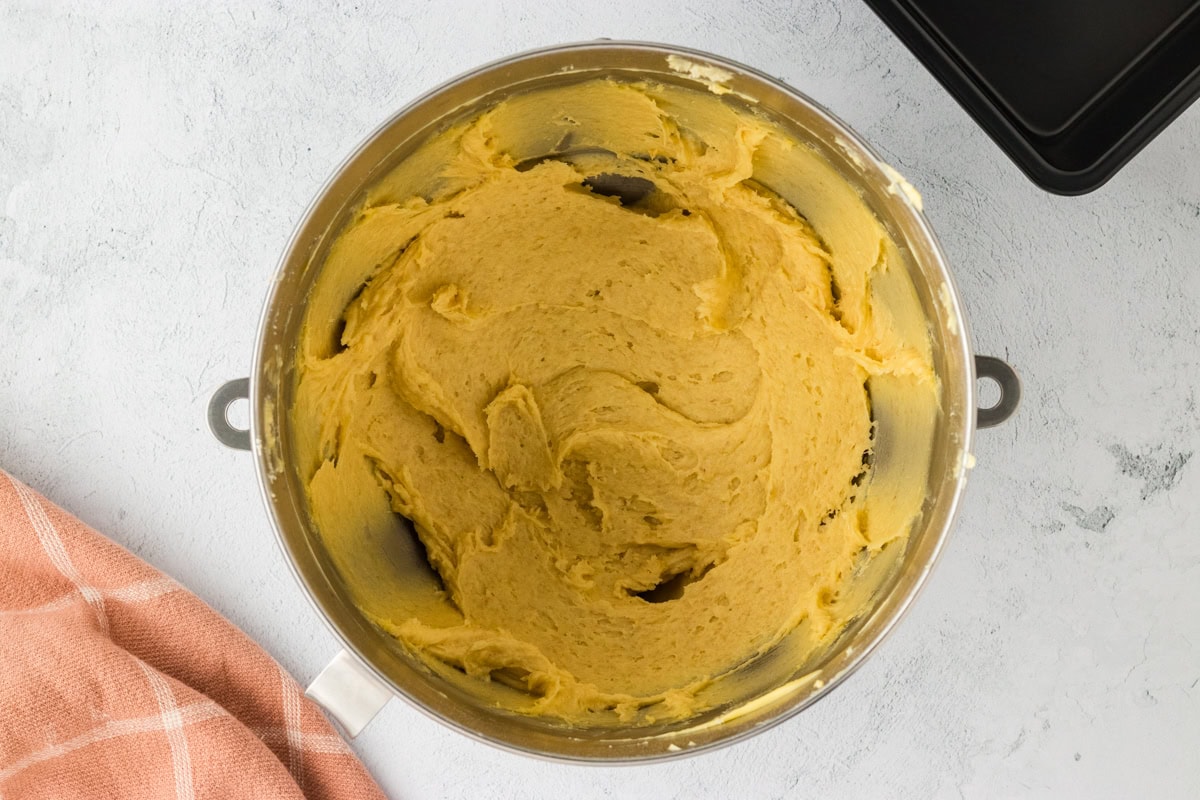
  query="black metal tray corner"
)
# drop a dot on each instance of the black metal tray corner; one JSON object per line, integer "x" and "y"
{"x": 1069, "y": 89}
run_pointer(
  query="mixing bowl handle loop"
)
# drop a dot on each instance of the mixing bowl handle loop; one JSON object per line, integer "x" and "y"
{"x": 1010, "y": 391}
{"x": 349, "y": 692}
{"x": 218, "y": 414}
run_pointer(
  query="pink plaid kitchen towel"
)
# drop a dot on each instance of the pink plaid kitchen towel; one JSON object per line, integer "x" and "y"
{"x": 117, "y": 682}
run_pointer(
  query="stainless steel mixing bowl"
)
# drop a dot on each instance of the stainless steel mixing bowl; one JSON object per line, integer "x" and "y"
{"x": 388, "y": 669}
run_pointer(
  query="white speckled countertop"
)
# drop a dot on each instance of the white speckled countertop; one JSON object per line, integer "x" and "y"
{"x": 154, "y": 159}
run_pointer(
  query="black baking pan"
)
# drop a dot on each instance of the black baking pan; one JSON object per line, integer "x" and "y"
{"x": 1069, "y": 89}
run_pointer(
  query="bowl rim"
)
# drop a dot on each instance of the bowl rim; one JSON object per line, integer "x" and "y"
{"x": 260, "y": 380}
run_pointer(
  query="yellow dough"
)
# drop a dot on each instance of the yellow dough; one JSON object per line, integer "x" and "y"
{"x": 619, "y": 385}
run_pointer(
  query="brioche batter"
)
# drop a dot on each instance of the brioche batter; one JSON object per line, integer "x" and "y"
{"x": 618, "y": 386}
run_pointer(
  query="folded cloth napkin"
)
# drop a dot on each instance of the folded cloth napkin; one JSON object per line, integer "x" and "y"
{"x": 117, "y": 682}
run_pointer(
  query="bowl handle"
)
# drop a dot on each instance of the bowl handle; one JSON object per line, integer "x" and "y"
{"x": 218, "y": 414}
{"x": 1010, "y": 391}
{"x": 349, "y": 692}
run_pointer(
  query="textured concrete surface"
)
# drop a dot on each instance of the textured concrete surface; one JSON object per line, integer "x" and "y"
{"x": 154, "y": 158}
